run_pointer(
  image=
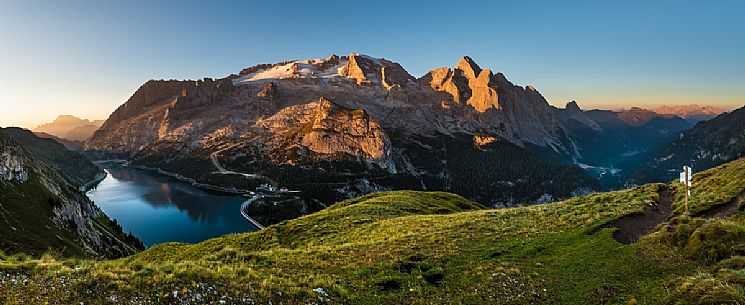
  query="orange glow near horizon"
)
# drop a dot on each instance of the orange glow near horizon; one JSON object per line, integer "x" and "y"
{"x": 30, "y": 115}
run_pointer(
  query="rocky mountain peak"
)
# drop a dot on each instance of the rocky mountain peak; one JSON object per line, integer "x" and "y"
{"x": 486, "y": 77}
{"x": 470, "y": 69}
{"x": 572, "y": 107}
{"x": 367, "y": 92}
{"x": 572, "y": 112}
{"x": 152, "y": 93}
{"x": 484, "y": 94}
{"x": 467, "y": 83}
{"x": 361, "y": 68}
{"x": 330, "y": 62}
{"x": 329, "y": 130}
{"x": 513, "y": 110}
{"x": 446, "y": 80}
{"x": 370, "y": 71}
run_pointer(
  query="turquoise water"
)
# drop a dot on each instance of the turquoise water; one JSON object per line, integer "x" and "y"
{"x": 158, "y": 208}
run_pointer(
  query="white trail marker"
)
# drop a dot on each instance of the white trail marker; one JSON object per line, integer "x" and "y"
{"x": 686, "y": 177}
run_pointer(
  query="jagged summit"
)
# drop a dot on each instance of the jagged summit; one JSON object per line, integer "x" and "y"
{"x": 572, "y": 112}
{"x": 572, "y": 106}
{"x": 364, "y": 69}
{"x": 480, "y": 99}
{"x": 469, "y": 67}
{"x": 359, "y": 109}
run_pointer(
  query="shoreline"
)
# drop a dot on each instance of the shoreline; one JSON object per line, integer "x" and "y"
{"x": 191, "y": 181}
{"x": 245, "y": 205}
{"x": 210, "y": 187}
{"x": 91, "y": 184}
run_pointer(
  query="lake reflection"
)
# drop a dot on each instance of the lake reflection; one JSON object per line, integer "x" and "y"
{"x": 158, "y": 208}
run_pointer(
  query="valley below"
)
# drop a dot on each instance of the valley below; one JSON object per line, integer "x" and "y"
{"x": 159, "y": 208}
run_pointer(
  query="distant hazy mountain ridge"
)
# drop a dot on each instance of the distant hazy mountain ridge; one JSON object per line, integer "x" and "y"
{"x": 693, "y": 113}
{"x": 612, "y": 145}
{"x": 706, "y": 145}
{"x": 70, "y": 128}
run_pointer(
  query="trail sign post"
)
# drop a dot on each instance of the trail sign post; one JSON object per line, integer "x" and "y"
{"x": 686, "y": 177}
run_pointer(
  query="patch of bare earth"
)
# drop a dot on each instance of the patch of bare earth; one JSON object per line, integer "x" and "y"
{"x": 632, "y": 227}
{"x": 723, "y": 210}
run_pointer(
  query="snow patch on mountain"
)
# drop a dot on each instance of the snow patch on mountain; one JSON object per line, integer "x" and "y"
{"x": 311, "y": 68}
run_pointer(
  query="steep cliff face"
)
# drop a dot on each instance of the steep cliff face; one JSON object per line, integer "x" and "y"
{"x": 72, "y": 166}
{"x": 41, "y": 210}
{"x": 463, "y": 99}
{"x": 11, "y": 161}
{"x": 335, "y": 129}
{"x": 324, "y": 130}
{"x": 337, "y": 109}
{"x": 375, "y": 71}
{"x": 518, "y": 114}
{"x": 138, "y": 121}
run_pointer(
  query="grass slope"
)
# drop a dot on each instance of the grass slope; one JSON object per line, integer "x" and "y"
{"x": 424, "y": 248}
{"x": 27, "y": 224}
{"x": 72, "y": 166}
{"x": 47, "y": 213}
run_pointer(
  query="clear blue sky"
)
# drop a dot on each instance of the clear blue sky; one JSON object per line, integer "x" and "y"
{"x": 87, "y": 57}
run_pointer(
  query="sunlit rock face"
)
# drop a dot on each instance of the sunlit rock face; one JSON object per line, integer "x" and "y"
{"x": 202, "y": 113}
{"x": 11, "y": 165}
{"x": 366, "y": 113}
{"x": 482, "y": 140}
{"x": 327, "y": 129}
{"x": 489, "y": 102}
{"x": 333, "y": 129}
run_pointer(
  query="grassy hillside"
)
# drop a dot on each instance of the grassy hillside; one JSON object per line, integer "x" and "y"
{"x": 45, "y": 212}
{"x": 72, "y": 166}
{"x": 28, "y": 219}
{"x": 424, "y": 248}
